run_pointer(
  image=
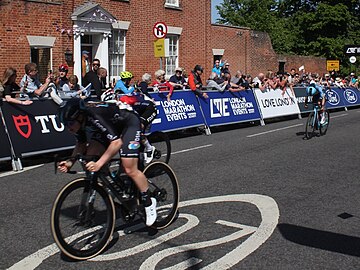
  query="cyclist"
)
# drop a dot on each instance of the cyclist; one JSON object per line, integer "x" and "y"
{"x": 144, "y": 107}
{"x": 105, "y": 128}
{"x": 318, "y": 97}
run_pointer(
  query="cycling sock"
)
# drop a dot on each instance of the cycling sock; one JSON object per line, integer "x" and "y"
{"x": 147, "y": 145}
{"x": 145, "y": 198}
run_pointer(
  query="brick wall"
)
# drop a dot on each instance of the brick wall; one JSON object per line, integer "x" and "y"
{"x": 246, "y": 50}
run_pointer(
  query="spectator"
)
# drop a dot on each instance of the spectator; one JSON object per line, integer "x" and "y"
{"x": 177, "y": 80}
{"x": 62, "y": 78}
{"x": 160, "y": 84}
{"x": 225, "y": 69}
{"x": 8, "y": 83}
{"x": 352, "y": 80}
{"x": 195, "y": 82}
{"x": 338, "y": 83}
{"x": 30, "y": 84}
{"x": 216, "y": 82}
{"x": 93, "y": 78}
{"x": 73, "y": 89}
{"x": 217, "y": 67}
{"x": 144, "y": 84}
{"x": 259, "y": 82}
{"x": 237, "y": 78}
{"x": 85, "y": 65}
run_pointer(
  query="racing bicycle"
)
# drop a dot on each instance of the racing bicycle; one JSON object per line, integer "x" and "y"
{"x": 313, "y": 123}
{"x": 85, "y": 210}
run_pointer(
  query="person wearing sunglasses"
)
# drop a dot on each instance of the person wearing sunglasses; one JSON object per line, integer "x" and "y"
{"x": 97, "y": 82}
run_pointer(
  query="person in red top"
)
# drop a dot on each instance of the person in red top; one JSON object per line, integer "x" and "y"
{"x": 160, "y": 84}
{"x": 194, "y": 81}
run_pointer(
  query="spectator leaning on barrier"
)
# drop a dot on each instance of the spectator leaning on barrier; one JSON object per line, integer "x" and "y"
{"x": 259, "y": 82}
{"x": 160, "y": 84}
{"x": 177, "y": 80}
{"x": 9, "y": 86}
{"x": 30, "y": 84}
{"x": 73, "y": 89}
{"x": 144, "y": 84}
{"x": 216, "y": 82}
{"x": 236, "y": 79}
{"x": 194, "y": 81}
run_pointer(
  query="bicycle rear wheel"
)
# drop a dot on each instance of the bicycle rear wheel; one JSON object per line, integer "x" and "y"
{"x": 324, "y": 127}
{"x": 162, "y": 144}
{"x": 163, "y": 186}
{"x": 310, "y": 126}
{"x": 82, "y": 219}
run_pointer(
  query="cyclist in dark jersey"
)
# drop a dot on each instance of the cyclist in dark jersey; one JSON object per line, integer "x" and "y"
{"x": 103, "y": 128}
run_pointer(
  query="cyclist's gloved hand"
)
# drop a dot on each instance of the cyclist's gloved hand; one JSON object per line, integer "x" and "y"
{"x": 64, "y": 166}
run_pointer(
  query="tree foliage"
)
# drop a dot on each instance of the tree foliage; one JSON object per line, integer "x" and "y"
{"x": 302, "y": 27}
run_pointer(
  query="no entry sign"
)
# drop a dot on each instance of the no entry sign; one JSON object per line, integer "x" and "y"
{"x": 160, "y": 30}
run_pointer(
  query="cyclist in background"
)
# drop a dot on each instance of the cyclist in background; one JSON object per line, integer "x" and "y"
{"x": 145, "y": 107}
{"x": 317, "y": 93}
{"x": 104, "y": 128}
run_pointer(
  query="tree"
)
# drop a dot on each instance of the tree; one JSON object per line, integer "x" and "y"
{"x": 302, "y": 27}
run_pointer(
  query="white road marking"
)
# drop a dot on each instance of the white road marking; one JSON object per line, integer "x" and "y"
{"x": 269, "y": 219}
{"x": 23, "y": 170}
{"x": 273, "y": 130}
{"x": 193, "y": 221}
{"x": 191, "y": 149}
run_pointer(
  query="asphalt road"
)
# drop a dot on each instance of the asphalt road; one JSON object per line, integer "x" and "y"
{"x": 252, "y": 197}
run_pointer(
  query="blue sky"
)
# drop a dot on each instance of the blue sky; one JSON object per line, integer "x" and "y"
{"x": 214, "y": 14}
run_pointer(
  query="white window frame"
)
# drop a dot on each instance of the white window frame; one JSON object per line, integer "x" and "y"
{"x": 172, "y": 3}
{"x": 171, "y": 54}
{"x": 117, "y": 56}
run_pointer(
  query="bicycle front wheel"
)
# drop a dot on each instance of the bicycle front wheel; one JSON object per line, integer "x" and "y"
{"x": 82, "y": 219}
{"x": 163, "y": 186}
{"x": 325, "y": 125}
{"x": 162, "y": 145}
{"x": 310, "y": 126}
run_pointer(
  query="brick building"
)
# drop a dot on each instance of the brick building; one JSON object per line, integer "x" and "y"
{"x": 120, "y": 34}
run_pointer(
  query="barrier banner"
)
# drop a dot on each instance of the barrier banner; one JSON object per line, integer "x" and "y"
{"x": 350, "y": 96}
{"x": 35, "y": 128}
{"x": 272, "y": 103}
{"x": 334, "y": 98}
{"x": 182, "y": 111}
{"x": 222, "y": 108}
{"x": 5, "y": 153}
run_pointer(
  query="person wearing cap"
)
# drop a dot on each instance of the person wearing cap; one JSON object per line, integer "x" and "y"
{"x": 85, "y": 65}
{"x": 225, "y": 69}
{"x": 177, "y": 80}
{"x": 352, "y": 80}
{"x": 217, "y": 67}
{"x": 195, "y": 82}
{"x": 62, "y": 79}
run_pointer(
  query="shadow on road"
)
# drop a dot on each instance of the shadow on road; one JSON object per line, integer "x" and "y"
{"x": 330, "y": 241}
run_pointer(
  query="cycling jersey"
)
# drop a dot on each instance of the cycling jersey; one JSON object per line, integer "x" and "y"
{"x": 319, "y": 92}
{"x": 121, "y": 86}
{"x": 106, "y": 123}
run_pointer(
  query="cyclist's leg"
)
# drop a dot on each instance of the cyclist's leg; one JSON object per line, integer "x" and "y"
{"x": 129, "y": 159}
{"x": 146, "y": 118}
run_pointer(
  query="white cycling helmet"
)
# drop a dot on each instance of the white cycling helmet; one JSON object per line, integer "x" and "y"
{"x": 108, "y": 95}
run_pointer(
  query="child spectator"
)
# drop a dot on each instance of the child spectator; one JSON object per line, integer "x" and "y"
{"x": 73, "y": 89}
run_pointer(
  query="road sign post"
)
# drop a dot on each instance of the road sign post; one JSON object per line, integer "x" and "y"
{"x": 160, "y": 30}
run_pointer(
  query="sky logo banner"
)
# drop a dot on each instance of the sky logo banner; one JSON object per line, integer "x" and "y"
{"x": 333, "y": 98}
{"x": 229, "y": 107}
{"x": 274, "y": 103}
{"x": 351, "y": 97}
{"x": 182, "y": 111}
